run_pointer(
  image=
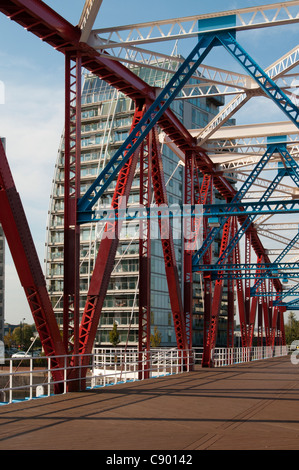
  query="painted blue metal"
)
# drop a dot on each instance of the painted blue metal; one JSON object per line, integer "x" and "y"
{"x": 251, "y": 208}
{"x": 220, "y": 211}
{"x": 209, "y": 26}
{"x": 251, "y": 266}
{"x": 293, "y": 305}
{"x": 148, "y": 121}
{"x": 260, "y": 76}
{"x": 218, "y": 275}
{"x": 285, "y": 251}
{"x": 237, "y": 237}
{"x": 232, "y": 208}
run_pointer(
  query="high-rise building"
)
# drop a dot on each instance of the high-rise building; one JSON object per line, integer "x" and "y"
{"x": 106, "y": 120}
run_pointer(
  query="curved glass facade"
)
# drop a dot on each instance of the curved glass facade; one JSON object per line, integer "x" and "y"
{"x": 106, "y": 120}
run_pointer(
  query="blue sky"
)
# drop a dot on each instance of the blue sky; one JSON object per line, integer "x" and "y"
{"x": 33, "y": 114}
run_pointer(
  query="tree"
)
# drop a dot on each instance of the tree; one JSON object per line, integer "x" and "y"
{"x": 9, "y": 339}
{"x": 291, "y": 328}
{"x": 114, "y": 335}
{"x": 22, "y": 336}
{"x": 156, "y": 338}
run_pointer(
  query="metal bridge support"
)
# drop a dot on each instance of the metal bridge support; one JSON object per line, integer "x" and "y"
{"x": 171, "y": 269}
{"x": 19, "y": 239}
{"x": 189, "y": 242}
{"x": 207, "y": 359}
{"x": 72, "y": 156}
{"x": 144, "y": 297}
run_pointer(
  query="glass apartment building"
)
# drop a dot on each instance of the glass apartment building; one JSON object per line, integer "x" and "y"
{"x": 106, "y": 120}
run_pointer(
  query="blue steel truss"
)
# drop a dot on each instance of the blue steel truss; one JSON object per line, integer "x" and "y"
{"x": 155, "y": 111}
{"x": 147, "y": 122}
{"x": 259, "y": 281}
{"x": 251, "y": 266}
{"x": 252, "y": 275}
{"x": 235, "y": 207}
{"x": 251, "y": 208}
{"x": 293, "y": 305}
{"x": 251, "y": 218}
{"x": 260, "y": 76}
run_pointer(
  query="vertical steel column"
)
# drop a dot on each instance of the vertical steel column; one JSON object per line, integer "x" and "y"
{"x": 106, "y": 252}
{"x": 260, "y": 339}
{"x": 266, "y": 317}
{"x": 240, "y": 296}
{"x": 145, "y": 197}
{"x": 207, "y": 360}
{"x": 230, "y": 305}
{"x": 252, "y": 315}
{"x": 72, "y": 142}
{"x": 247, "y": 279}
{"x": 171, "y": 269}
{"x": 207, "y": 198}
{"x": 189, "y": 226}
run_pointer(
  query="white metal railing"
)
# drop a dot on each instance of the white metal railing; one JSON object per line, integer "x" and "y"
{"x": 227, "y": 356}
{"x": 26, "y": 379}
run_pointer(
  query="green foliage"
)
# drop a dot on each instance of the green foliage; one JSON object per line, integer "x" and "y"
{"x": 292, "y": 329}
{"x": 156, "y": 338}
{"x": 114, "y": 336}
{"x": 21, "y": 337}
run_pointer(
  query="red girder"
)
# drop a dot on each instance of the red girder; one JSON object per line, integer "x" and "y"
{"x": 106, "y": 254}
{"x": 171, "y": 269}
{"x": 144, "y": 298}
{"x": 45, "y": 23}
{"x": 210, "y": 344}
{"x": 19, "y": 239}
{"x": 41, "y": 20}
{"x": 189, "y": 239}
{"x": 72, "y": 161}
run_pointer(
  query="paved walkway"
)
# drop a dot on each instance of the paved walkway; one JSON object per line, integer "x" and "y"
{"x": 247, "y": 406}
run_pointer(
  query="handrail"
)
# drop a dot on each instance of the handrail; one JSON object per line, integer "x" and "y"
{"x": 109, "y": 366}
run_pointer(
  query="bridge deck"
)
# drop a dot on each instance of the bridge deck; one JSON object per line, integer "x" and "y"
{"x": 246, "y": 406}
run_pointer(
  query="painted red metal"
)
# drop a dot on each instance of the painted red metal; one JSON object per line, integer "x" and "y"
{"x": 19, "y": 239}
{"x": 171, "y": 269}
{"x": 45, "y": 23}
{"x": 144, "y": 297}
{"x": 189, "y": 245}
{"x": 207, "y": 359}
{"x": 106, "y": 254}
{"x": 72, "y": 158}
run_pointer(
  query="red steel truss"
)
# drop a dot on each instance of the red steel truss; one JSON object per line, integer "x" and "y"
{"x": 41, "y": 20}
{"x": 19, "y": 239}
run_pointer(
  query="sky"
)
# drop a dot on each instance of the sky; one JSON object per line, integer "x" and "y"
{"x": 32, "y": 116}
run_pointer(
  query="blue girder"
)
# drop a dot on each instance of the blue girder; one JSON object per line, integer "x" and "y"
{"x": 284, "y": 252}
{"x": 260, "y": 76}
{"x": 264, "y": 267}
{"x": 235, "y": 207}
{"x": 252, "y": 275}
{"x": 155, "y": 111}
{"x": 250, "y": 208}
{"x": 147, "y": 122}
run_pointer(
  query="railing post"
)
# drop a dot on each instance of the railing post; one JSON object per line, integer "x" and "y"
{"x": 10, "y": 381}
{"x": 30, "y": 378}
{"x": 49, "y": 376}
